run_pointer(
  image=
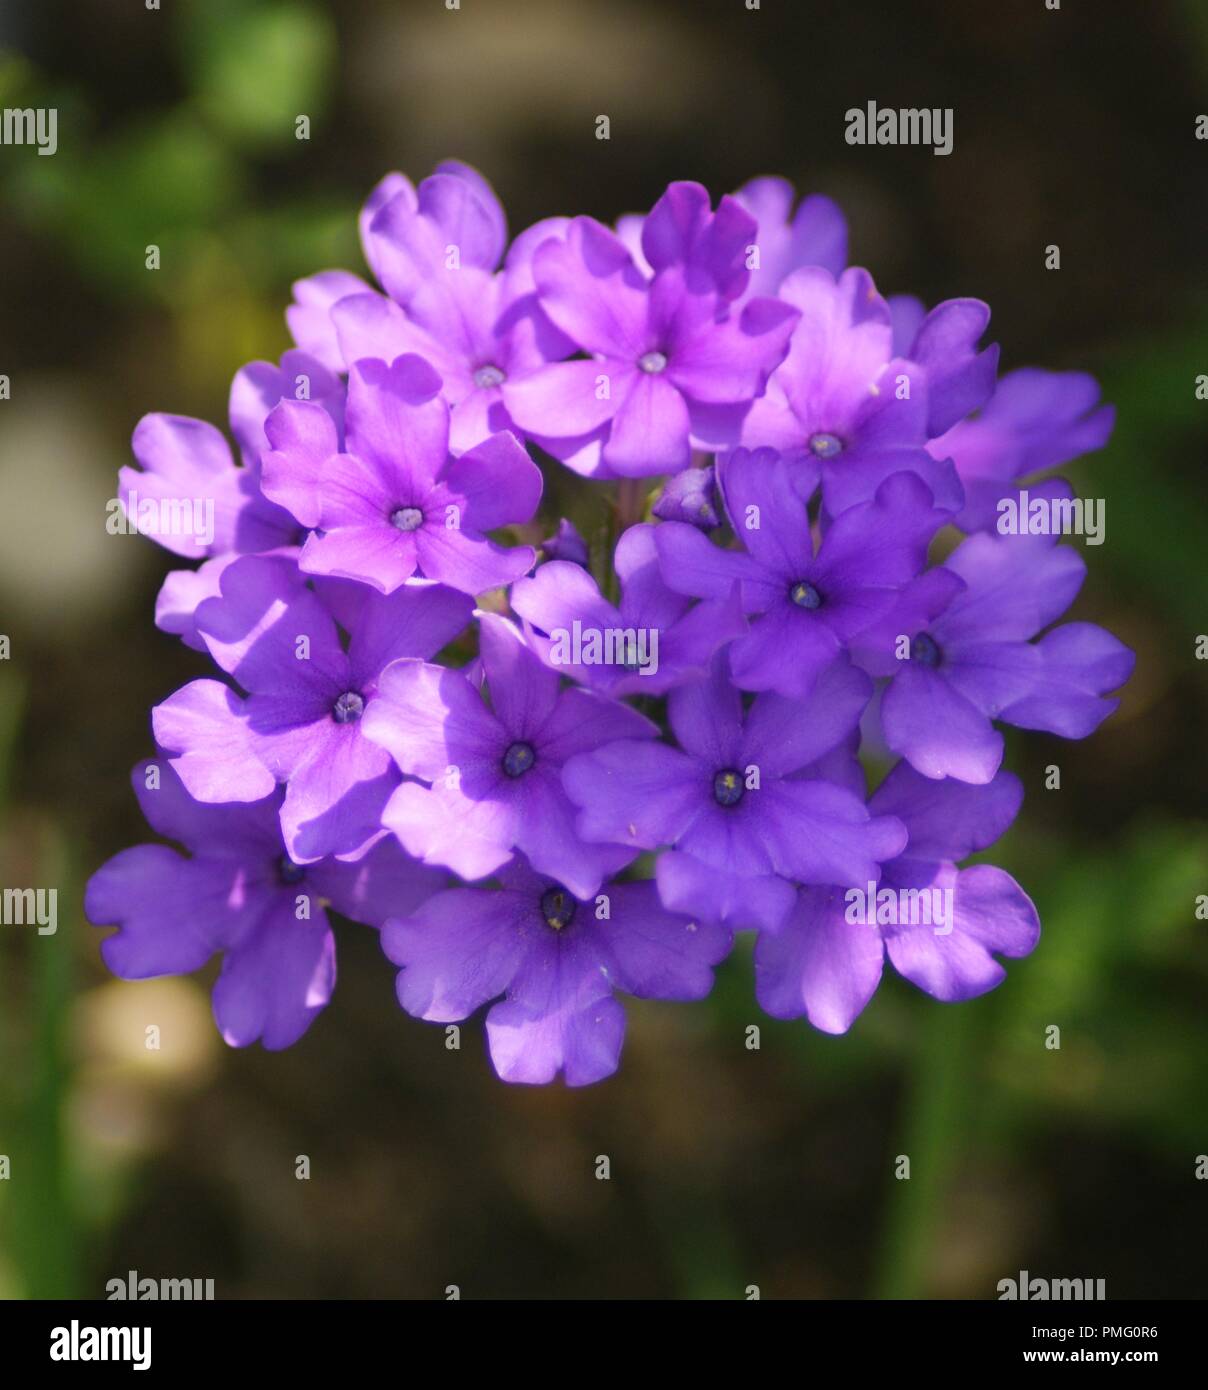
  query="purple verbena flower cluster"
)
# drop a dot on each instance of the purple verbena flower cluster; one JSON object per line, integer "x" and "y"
{"x": 623, "y": 766}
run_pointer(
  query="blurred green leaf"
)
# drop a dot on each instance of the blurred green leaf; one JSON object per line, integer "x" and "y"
{"x": 156, "y": 183}
{"x": 256, "y": 67}
{"x": 1155, "y": 541}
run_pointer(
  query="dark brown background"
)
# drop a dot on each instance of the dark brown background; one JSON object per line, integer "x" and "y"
{"x": 729, "y": 1167}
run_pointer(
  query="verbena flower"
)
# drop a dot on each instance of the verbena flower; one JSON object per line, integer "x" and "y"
{"x": 827, "y": 966}
{"x": 804, "y": 605}
{"x": 238, "y": 894}
{"x": 1034, "y": 422}
{"x": 397, "y": 504}
{"x": 847, "y": 406}
{"x": 458, "y": 205}
{"x": 566, "y": 544}
{"x": 734, "y": 801}
{"x": 557, "y": 961}
{"x": 967, "y": 657}
{"x": 494, "y": 773}
{"x": 669, "y": 364}
{"x": 653, "y": 639}
{"x": 260, "y": 386}
{"x": 300, "y": 722}
{"x": 192, "y": 464}
{"x": 690, "y": 496}
{"x": 788, "y": 238}
{"x": 404, "y": 694}
{"x": 479, "y": 329}
{"x": 189, "y": 475}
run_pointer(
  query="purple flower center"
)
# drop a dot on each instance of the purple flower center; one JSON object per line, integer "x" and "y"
{"x": 488, "y": 376}
{"x": 825, "y": 446}
{"x": 407, "y": 518}
{"x": 652, "y": 362}
{"x": 348, "y": 708}
{"x": 289, "y": 872}
{"x": 728, "y": 787}
{"x": 804, "y": 595}
{"x": 925, "y": 650}
{"x": 518, "y": 759}
{"x": 557, "y": 908}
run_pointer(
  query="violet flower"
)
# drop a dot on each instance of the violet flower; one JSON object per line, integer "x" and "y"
{"x": 805, "y": 606}
{"x": 301, "y": 720}
{"x": 815, "y": 233}
{"x": 494, "y": 773}
{"x": 566, "y": 544}
{"x": 397, "y": 504}
{"x": 670, "y": 365}
{"x": 557, "y": 959}
{"x": 239, "y": 895}
{"x": 729, "y": 350}
{"x": 940, "y": 926}
{"x": 964, "y": 656}
{"x": 728, "y": 801}
{"x": 1034, "y": 422}
{"x": 655, "y": 639}
{"x": 690, "y": 496}
{"x": 843, "y": 403}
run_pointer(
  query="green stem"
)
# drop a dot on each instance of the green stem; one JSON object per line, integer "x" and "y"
{"x": 939, "y": 1103}
{"x": 631, "y": 502}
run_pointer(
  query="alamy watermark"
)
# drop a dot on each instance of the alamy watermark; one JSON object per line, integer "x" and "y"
{"x": 630, "y": 648}
{"x": 192, "y": 517}
{"x": 85, "y": 1343}
{"x": 1035, "y": 1289}
{"x": 899, "y": 907}
{"x": 927, "y": 125}
{"x": 30, "y": 126}
{"x": 30, "y": 907}
{"x": 147, "y": 1290}
{"x": 1026, "y": 515}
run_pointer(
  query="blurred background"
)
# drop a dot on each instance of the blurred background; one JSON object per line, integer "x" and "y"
{"x": 730, "y": 1167}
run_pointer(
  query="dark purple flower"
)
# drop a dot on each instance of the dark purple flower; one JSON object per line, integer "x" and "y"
{"x": 239, "y": 894}
{"x": 730, "y": 802}
{"x": 690, "y": 496}
{"x": 944, "y": 342}
{"x": 843, "y": 404}
{"x": 654, "y": 640}
{"x": 807, "y": 605}
{"x": 1034, "y": 422}
{"x": 671, "y": 365}
{"x": 815, "y": 234}
{"x": 397, "y": 504}
{"x": 557, "y": 958}
{"x": 494, "y": 772}
{"x": 964, "y": 656}
{"x": 566, "y": 544}
{"x": 940, "y": 926}
{"x": 301, "y": 720}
